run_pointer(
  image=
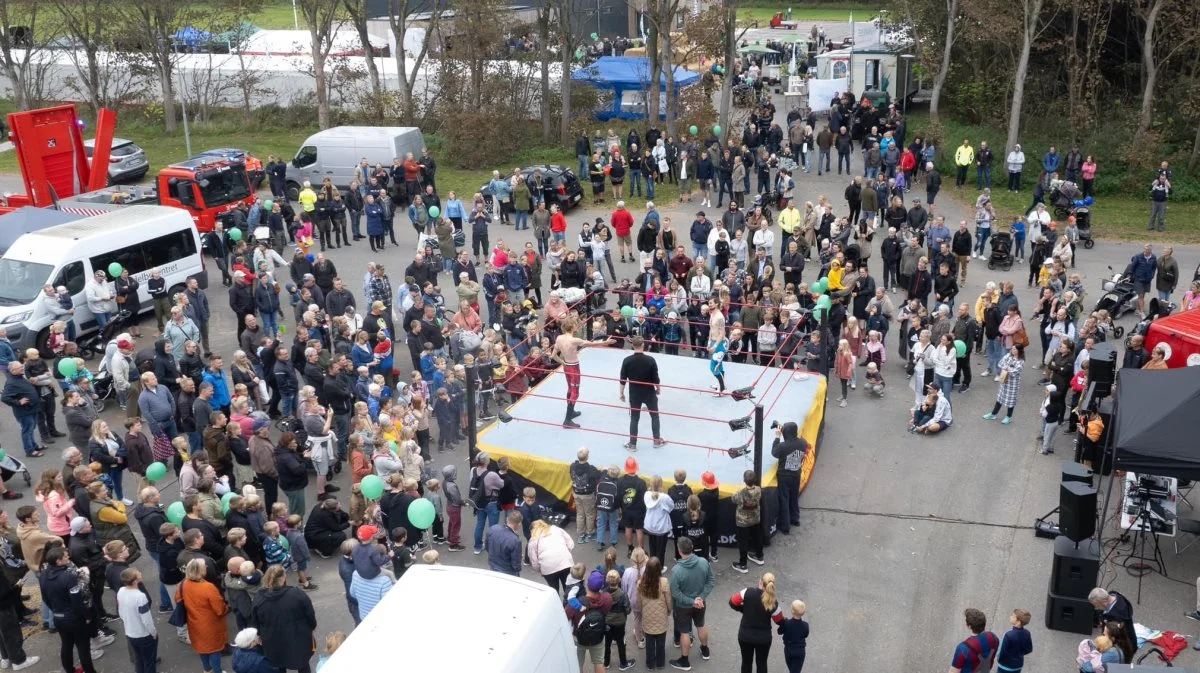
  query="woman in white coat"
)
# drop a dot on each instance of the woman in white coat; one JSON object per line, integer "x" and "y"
{"x": 921, "y": 356}
{"x": 658, "y": 517}
{"x": 549, "y": 553}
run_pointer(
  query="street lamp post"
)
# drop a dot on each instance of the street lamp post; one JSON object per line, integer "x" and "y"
{"x": 908, "y": 60}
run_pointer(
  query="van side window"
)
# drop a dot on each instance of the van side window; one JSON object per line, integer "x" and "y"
{"x": 72, "y": 277}
{"x": 307, "y": 156}
{"x": 166, "y": 249}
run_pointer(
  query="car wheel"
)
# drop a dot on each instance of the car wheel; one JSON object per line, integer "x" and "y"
{"x": 1089, "y": 244}
{"x": 292, "y": 191}
{"x": 42, "y": 343}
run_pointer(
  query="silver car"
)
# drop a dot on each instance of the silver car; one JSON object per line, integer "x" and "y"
{"x": 126, "y": 162}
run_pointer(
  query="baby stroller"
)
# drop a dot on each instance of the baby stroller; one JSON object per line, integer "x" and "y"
{"x": 1083, "y": 222}
{"x": 1063, "y": 199}
{"x": 1002, "y": 253}
{"x": 427, "y": 244}
{"x": 94, "y": 343}
{"x": 11, "y": 466}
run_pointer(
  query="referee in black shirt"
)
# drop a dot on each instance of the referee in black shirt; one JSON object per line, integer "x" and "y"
{"x": 640, "y": 371}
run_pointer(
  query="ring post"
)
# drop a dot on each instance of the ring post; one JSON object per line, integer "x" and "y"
{"x": 472, "y": 423}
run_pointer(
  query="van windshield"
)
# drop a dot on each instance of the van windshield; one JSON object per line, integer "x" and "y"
{"x": 20, "y": 281}
{"x": 224, "y": 186}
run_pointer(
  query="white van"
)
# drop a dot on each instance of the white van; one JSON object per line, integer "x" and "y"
{"x": 139, "y": 238}
{"x": 336, "y": 153}
{"x": 449, "y": 618}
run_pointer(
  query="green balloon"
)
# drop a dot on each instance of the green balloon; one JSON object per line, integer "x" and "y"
{"x": 3, "y": 455}
{"x": 819, "y": 287}
{"x": 818, "y": 313}
{"x": 268, "y": 204}
{"x": 235, "y": 234}
{"x": 960, "y": 348}
{"x": 155, "y": 471}
{"x": 421, "y": 513}
{"x": 824, "y": 302}
{"x": 285, "y": 543}
{"x": 627, "y": 312}
{"x": 67, "y": 367}
{"x": 434, "y": 211}
{"x": 175, "y": 513}
{"x": 716, "y": 129}
{"x": 225, "y": 501}
{"x": 693, "y": 130}
{"x": 595, "y": 37}
{"x": 115, "y": 269}
{"x": 371, "y": 487}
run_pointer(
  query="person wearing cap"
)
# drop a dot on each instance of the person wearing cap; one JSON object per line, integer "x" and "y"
{"x": 790, "y": 449}
{"x": 368, "y": 592}
{"x": 1053, "y": 409}
{"x": 595, "y": 599}
{"x": 248, "y": 656}
{"x": 101, "y": 299}
{"x": 709, "y": 498}
{"x": 504, "y": 545}
{"x": 632, "y": 489}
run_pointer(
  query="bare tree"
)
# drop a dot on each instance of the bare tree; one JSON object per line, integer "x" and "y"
{"x": 356, "y": 10}
{"x": 19, "y": 67}
{"x": 543, "y": 24}
{"x": 1090, "y": 20}
{"x": 567, "y": 14}
{"x": 86, "y": 24}
{"x": 150, "y": 32}
{"x": 1032, "y": 27}
{"x": 939, "y": 80}
{"x": 323, "y": 18}
{"x": 729, "y": 14}
{"x": 1160, "y": 44}
{"x": 398, "y": 16}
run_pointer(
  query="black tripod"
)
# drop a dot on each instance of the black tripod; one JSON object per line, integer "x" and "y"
{"x": 1137, "y": 562}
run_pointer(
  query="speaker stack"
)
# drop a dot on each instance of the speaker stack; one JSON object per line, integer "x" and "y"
{"x": 1076, "y": 565}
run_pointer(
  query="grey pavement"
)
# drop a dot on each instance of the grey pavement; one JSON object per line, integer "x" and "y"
{"x": 900, "y": 533}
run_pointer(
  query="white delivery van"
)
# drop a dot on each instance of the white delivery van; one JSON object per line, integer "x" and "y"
{"x": 139, "y": 238}
{"x": 448, "y": 618}
{"x": 336, "y": 153}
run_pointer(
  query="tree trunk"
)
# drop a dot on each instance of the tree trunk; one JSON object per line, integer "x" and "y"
{"x": 939, "y": 80}
{"x": 1149, "y": 69}
{"x": 653, "y": 54}
{"x": 167, "y": 82}
{"x": 1033, "y": 10}
{"x": 668, "y": 65}
{"x": 360, "y": 25}
{"x": 322, "y": 90}
{"x": 1195, "y": 158}
{"x": 544, "y": 63}
{"x": 566, "y": 48}
{"x": 726, "y": 99}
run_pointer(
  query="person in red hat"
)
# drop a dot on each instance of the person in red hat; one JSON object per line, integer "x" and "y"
{"x": 710, "y": 499}
{"x": 632, "y": 489}
{"x": 370, "y": 556}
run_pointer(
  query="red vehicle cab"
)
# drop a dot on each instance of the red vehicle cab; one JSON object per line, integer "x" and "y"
{"x": 1180, "y": 334}
{"x": 205, "y": 187}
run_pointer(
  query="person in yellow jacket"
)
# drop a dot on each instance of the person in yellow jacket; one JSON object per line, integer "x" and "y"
{"x": 990, "y": 291}
{"x": 307, "y": 198}
{"x": 964, "y": 156}
{"x": 789, "y": 222}
{"x": 835, "y": 276}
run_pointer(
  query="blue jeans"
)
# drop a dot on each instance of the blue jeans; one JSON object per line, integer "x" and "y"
{"x": 289, "y": 401}
{"x": 699, "y": 250}
{"x": 981, "y": 237}
{"x": 607, "y": 522}
{"x": 558, "y": 237}
{"x": 635, "y": 182}
{"x": 101, "y": 319}
{"x": 117, "y": 477}
{"x": 983, "y": 177}
{"x": 841, "y": 156}
{"x": 945, "y": 383}
{"x": 1019, "y": 246}
{"x": 211, "y": 662}
{"x": 355, "y": 220}
{"x": 543, "y": 247}
{"x": 489, "y": 517}
{"x": 872, "y": 172}
{"x": 823, "y": 158}
{"x": 995, "y": 352}
{"x": 583, "y": 166}
{"x": 522, "y": 219}
{"x": 164, "y": 597}
{"x": 270, "y": 323}
{"x": 520, "y": 347}
{"x": 29, "y": 425}
{"x": 1164, "y": 296}
{"x": 649, "y": 187}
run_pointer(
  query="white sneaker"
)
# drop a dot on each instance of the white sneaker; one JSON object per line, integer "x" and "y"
{"x": 128, "y": 502}
{"x": 29, "y": 661}
{"x": 5, "y": 664}
{"x": 102, "y": 641}
{"x": 96, "y": 654}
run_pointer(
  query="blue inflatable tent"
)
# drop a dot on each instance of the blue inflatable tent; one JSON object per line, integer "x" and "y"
{"x": 628, "y": 78}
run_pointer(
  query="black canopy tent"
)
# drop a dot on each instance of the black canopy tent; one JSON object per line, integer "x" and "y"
{"x": 1157, "y": 429}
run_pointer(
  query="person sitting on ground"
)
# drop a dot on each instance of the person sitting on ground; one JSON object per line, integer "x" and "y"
{"x": 933, "y": 415}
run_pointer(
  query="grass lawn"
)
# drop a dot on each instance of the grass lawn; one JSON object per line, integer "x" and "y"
{"x": 1120, "y": 216}
{"x": 277, "y": 15}
{"x": 830, "y": 12}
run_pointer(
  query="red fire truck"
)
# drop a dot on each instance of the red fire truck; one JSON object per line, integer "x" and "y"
{"x": 58, "y": 173}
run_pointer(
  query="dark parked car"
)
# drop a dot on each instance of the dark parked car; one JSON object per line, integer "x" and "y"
{"x": 559, "y": 185}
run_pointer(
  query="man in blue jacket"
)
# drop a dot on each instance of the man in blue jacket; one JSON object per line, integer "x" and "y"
{"x": 1142, "y": 269}
{"x": 1051, "y": 161}
{"x": 515, "y": 281}
{"x": 504, "y": 545}
{"x": 701, "y": 228}
{"x": 26, "y": 403}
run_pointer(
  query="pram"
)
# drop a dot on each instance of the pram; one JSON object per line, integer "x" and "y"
{"x": 427, "y": 244}
{"x": 1063, "y": 198}
{"x": 11, "y": 466}
{"x": 94, "y": 344}
{"x": 1083, "y": 222}
{"x": 1002, "y": 253}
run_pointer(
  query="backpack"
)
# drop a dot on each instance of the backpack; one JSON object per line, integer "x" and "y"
{"x": 590, "y": 628}
{"x": 476, "y": 492}
{"x": 606, "y": 496}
